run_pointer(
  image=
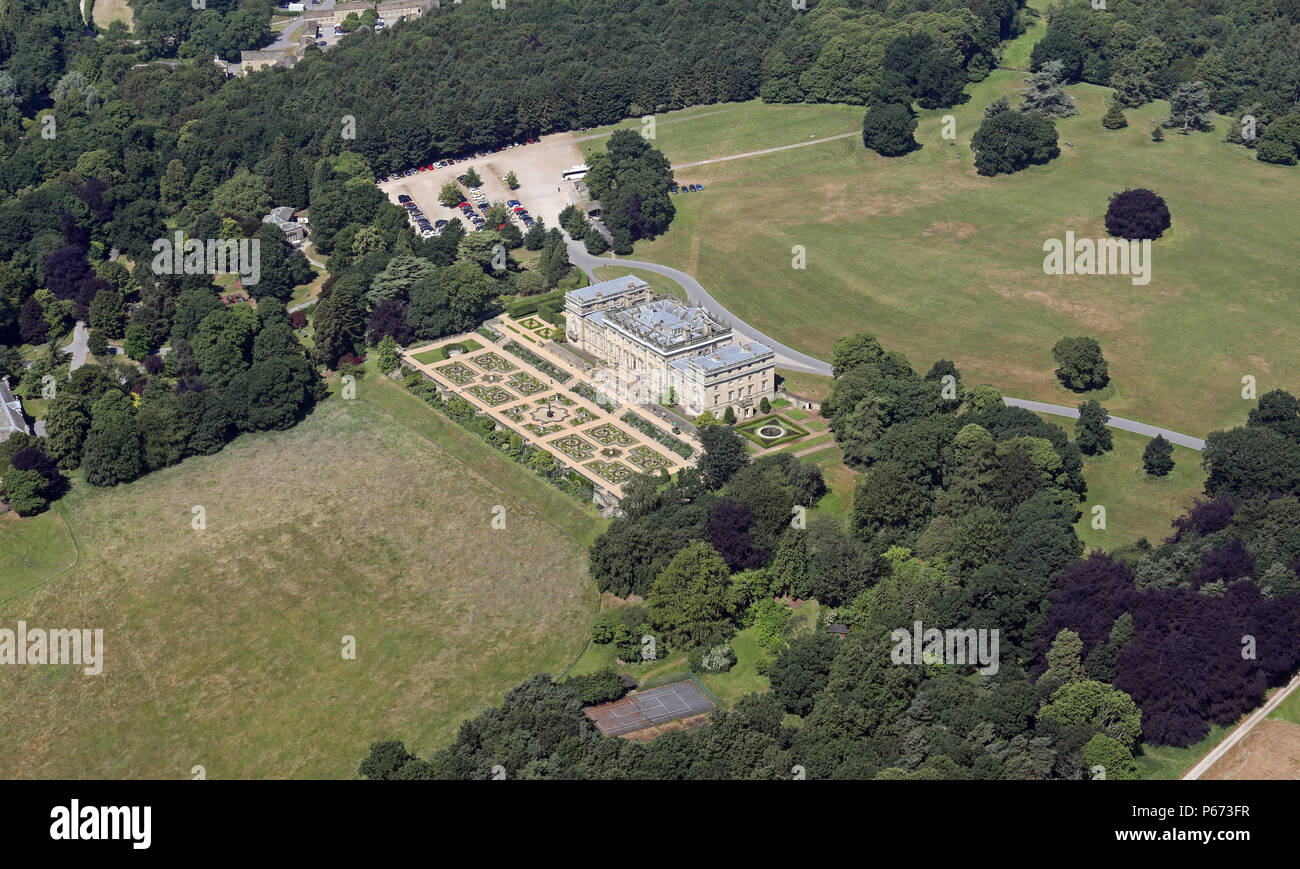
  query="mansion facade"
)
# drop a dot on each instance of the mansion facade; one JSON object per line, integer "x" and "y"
{"x": 656, "y": 345}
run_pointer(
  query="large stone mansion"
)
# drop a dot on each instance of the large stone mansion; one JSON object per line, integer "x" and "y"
{"x": 664, "y": 344}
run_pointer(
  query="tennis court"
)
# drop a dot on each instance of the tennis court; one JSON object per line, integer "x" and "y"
{"x": 642, "y": 709}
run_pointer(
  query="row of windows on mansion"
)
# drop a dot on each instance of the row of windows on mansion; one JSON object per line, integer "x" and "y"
{"x": 662, "y": 344}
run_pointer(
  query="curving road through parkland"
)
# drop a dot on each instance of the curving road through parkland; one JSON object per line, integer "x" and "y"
{"x": 789, "y": 358}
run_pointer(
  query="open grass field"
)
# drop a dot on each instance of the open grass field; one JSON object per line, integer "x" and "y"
{"x": 105, "y": 12}
{"x": 34, "y": 550}
{"x": 706, "y": 132}
{"x": 369, "y": 519}
{"x": 1271, "y": 751}
{"x": 938, "y": 261}
{"x": 1137, "y": 505}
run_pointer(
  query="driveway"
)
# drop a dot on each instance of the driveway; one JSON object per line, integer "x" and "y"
{"x": 288, "y": 37}
{"x": 786, "y": 357}
{"x": 78, "y": 348}
{"x": 789, "y": 358}
{"x": 1203, "y": 766}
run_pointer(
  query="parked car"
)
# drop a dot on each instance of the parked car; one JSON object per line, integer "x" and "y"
{"x": 402, "y": 197}
{"x": 513, "y": 203}
{"x": 439, "y": 224}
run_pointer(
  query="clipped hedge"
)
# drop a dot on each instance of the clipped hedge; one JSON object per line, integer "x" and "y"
{"x": 555, "y": 318}
{"x": 553, "y": 301}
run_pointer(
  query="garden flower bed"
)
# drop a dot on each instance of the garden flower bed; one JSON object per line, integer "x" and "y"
{"x": 525, "y": 384}
{"x": 490, "y": 361}
{"x": 612, "y": 471}
{"x": 491, "y": 395}
{"x": 458, "y": 373}
{"x": 647, "y": 459}
{"x": 610, "y": 434}
{"x": 574, "y": 447}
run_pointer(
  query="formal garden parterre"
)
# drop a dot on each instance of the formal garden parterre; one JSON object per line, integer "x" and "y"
{"x": 511, "y": 388}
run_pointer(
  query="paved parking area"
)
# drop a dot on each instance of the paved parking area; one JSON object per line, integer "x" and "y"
{"x": 538, "y": 167}
{"x": 545, "y": 411}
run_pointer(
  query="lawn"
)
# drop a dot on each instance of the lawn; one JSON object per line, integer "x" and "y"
{"x": 370, "y": 519}
{"x": 1015, "y": 54}
{"x": 938, "y": 261}
{"x": 729, "y": 687}
{"x": 807, "y": 444}
{"x": 704, "y": 132}
{"x": 438, "y": 354}
{"x": 1168, "y": 763}
{"x": 1137, "y": 504}
{"x": 104, "y": 12}
{"x": 1288, "y": 709}
{"x": 840, "y": 480}
{"x": 308, "y": 292}
{"x": 814, "y": 387}
{"x": 660, "y": 284}
{"x": 783, "y": 430}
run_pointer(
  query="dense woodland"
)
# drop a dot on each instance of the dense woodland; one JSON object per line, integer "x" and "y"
{"x": 964, "y": 513}
{"x": 964, "y": 516}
